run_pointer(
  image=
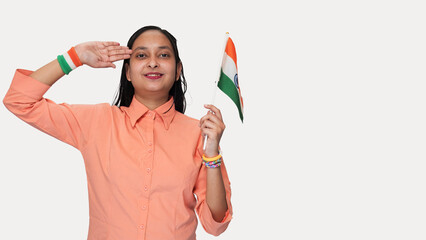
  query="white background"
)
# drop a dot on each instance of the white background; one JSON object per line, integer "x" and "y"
{"x": 333, "y": 142}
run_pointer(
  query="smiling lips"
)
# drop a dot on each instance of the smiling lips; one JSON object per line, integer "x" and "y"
{"x": 153, "y": 75}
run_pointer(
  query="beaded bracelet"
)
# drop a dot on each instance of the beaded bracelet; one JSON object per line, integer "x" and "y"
{"x": 69, "y": 61}
{"x": 213, "y": 164}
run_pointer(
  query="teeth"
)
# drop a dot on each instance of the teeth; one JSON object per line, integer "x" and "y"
{"x": 153, "y": 75}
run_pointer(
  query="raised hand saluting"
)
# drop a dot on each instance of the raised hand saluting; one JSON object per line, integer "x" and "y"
{"x": 101, "y": 54}
{"x": 95, "y": 54}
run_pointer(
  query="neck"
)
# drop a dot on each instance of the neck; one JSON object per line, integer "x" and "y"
{"x": 152, "y": 103}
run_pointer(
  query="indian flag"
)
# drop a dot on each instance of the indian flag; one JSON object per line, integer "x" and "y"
{"x": 228, "y": 80}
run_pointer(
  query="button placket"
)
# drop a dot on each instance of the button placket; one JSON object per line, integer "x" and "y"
{"x": 142, "y": 202}
{"x": 147, "y": 173}
{"x": 151, "y": 116}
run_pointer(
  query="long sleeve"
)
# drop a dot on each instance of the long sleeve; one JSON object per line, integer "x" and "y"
{"x": 203, "y": 211}
{"x": 68, "y": 123}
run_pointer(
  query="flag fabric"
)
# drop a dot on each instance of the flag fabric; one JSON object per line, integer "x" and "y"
{"x": 228, "y": 80}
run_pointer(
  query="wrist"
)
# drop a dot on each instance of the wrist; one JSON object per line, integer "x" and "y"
{"x": 69, "y": 61}
{"x": 79, "y": 51}
{"x": 213, "y": 162}
{"x": 211, "y": 154}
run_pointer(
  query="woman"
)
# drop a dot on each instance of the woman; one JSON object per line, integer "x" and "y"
{"x": 144, "y": 158}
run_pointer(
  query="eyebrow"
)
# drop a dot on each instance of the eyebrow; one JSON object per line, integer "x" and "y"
{"x": 160, "y": 47}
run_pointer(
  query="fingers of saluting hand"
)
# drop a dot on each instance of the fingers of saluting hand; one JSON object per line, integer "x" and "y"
{"x": 110, "y": 43}
{"x": 116, "y": 53}
{"x": 104, "y": 64}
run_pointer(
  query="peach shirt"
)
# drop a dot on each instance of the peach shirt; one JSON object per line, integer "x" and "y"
{"x": 143, "y": 167}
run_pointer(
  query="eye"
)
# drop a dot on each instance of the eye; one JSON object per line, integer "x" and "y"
{"x": 140, "y": 55}
{"x": 164, "y": 55}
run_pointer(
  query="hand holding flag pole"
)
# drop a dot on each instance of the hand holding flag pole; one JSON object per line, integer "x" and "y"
{"x": 215, "y": 85}
{"x": 227, "y": 80}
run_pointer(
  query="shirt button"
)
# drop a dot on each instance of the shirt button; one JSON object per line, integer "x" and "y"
{"x": 144, "y": 207}
{"x": 146, "y": 188}
{"x": 148, "y": 170}
{"x": 141, "y": 227}
{"x": 150, "y": 150}
{"x": 149, "y": 143}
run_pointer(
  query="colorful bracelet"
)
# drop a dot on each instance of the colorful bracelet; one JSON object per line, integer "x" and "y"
{"x": 213, "y": 164}
{"x": 69, "y": 61}
{"x": 206, "y": 159}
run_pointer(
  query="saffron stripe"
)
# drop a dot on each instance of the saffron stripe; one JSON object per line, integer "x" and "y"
{"x": 74, "y": 57}
{"x": 230, "y": 50}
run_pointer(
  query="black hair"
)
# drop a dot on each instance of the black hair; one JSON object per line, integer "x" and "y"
{"x": 126, "y": 89}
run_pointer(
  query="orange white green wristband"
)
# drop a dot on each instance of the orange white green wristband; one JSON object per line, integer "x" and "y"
{"x": 69, "y": 61}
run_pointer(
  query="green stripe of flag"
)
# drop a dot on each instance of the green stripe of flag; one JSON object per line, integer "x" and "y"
{"x": 228, "y": 87}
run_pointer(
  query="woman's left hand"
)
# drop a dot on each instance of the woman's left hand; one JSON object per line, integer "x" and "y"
{"x": 212, "y": 125}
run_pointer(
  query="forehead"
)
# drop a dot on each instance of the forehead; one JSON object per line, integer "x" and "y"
{"x": 151, "y": 39}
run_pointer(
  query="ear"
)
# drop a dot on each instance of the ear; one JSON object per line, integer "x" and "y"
{"x": 127, "y": 72}
{"x": 178, "y": 70}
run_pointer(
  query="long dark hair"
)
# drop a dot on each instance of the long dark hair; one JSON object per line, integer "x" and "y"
{"x": 126, "y": 89}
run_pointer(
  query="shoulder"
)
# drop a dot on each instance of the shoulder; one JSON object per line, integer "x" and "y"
{"x": 186, "y": 125}
{"x": 98, "y": 110}
{"x": 181, "y": 118}
{"x": 113, "y": 109}
{"x": 103, "y": 108}
{"x": 84, "y": 109}
{"x": 188, "y": 129}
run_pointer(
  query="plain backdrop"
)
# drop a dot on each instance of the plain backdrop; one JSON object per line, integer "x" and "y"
{"x": 333, "y": 142}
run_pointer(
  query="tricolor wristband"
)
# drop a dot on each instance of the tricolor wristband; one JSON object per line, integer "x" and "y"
{"x": 69, "y": 61}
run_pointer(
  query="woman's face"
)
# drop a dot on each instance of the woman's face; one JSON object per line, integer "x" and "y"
{"x": 152, "y": 68}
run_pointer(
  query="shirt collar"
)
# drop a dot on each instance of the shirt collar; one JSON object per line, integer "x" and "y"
{"x": 136, "y": 110}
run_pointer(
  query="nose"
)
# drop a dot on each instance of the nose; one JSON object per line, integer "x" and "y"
{"x": 153, "y": 63}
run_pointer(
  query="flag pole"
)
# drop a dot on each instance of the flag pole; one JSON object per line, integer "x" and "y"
{"x": 217, "y": 79}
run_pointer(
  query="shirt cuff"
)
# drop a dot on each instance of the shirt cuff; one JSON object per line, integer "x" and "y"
{"x": 227, "y": 217}
{"x": 22, "y": 82}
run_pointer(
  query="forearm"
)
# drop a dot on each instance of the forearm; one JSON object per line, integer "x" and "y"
{"x": 216, "y": 194}
{"x": 93, "y": 54}
{"x": 49, "y": 73}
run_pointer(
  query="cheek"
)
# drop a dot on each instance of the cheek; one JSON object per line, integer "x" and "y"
{"x": 173, "y": 69}
{"x": 134, "y": 69}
